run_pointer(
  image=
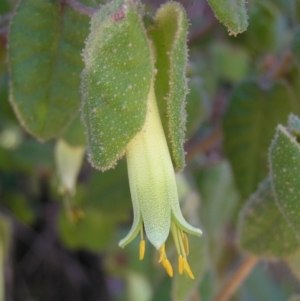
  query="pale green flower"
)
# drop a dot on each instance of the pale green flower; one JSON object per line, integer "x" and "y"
{"x": 154, "y": 192}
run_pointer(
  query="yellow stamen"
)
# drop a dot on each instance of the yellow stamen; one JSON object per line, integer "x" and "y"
{"x": 180, "y": 264}
{"x": 167, "y": 265}
{"x": 185, "y": 243}
{"x": 188, "y": 269}
{"x": 161, "y": 253}
{"x": 142, "y": 249}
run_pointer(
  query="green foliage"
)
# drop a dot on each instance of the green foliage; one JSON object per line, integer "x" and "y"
{"x": 169, "y": 39}
{"x": 262, "y": 227}
{"x": 217, "y": 205}
{"x": 296, "y": 46}
{"x": 240, "y": 91}
{"x": 264, "y": 24}
{"x": 45, "y": 65}
{"x": 249, "y": 127}
{"x": 116, "y": 81}
{"x": 75, "y": 133}
{"x": 184, "y": 286}
{"x": 232, "y": 13}
{"x": 230, "y": 62}
{"x": 284, "y": 163}
{"x": 197, "y": 106}
{"x": 5, "y": 237}
{"x": 86, "y": 232}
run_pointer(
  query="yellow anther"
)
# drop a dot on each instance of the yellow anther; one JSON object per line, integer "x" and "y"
{"x": 76, "y": 215}
{"x": 185, "y": 243}
{"x": 161, "y": 253}
{"x": 167, "y": 265}
{"x": 188, "y": 269}
{"x": 180, "y": 264}
{"x": 142, "y": 249}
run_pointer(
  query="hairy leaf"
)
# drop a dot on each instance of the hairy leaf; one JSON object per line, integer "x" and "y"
{"x": 249, "y": 126}
{"x": 169, "y": 34}
{"x": 45, "y": 44}
{"x": 262, "y": 229}
{"x": 116, "y": 81}
{"x": 232, "y": 13}
{"x": 285, "y": 163}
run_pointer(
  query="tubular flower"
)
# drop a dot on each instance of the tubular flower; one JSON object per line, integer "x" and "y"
{"x": 154, "y": 193}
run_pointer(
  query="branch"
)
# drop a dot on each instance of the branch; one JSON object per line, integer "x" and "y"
{"x": 281, "y": 68}
{"x": 203, "y": 145}
{"x": 81, "y": 8}
{"x": 237, "y": 278}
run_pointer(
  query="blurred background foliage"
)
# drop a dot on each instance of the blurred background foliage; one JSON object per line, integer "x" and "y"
{"x": 59, "y": 240}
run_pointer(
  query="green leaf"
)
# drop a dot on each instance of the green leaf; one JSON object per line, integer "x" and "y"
{"x": 109, "y": 191}
{"x": 163, "y": 290}
{"x": 217, "y": 205}
{"x": 230, "y": 62}
{"x": 262, "y": 229}
{"x": 261, "y": 286}
{"x": 264, "y": 32}
{"x": 285, "y": 163}
{"x": 6, "y": 112}
{"x": 197, "y": 106}
{"x": 232, "y": 14}
{"x": 296, "y": 46}
{"x": 5, "y": 237}
{"x": 249, "y": 126}
{"x": 182, "y": 286}
{"x": 92, "y": 232}
{"x": 45, "y": 43}
{"x": 169, "y": 34}
{"x": 116, "y": 81}
{"x": 74, "y": 134}
{"x": 27, "y": 157}
{"x": 294, "y": 124}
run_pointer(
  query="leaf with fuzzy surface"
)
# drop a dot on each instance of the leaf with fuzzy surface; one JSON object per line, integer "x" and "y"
{"x": 232, "y": 13}
{"x": 45, "y": 44}
{"x": 262, "y": 228}
{"x": 169, "y": 34}
{"x": 116, "y": 81}
{"x": 249, "y": 126}
{"x": 285, "y": 162}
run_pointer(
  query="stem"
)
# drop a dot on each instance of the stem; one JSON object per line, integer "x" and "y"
{"x": 81, "y": 8}
{"x": 2, "y": 292}
{"x": 280, "y": 69}
{"x": 237, "y": 278}
{"x": 204, "y": 145}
